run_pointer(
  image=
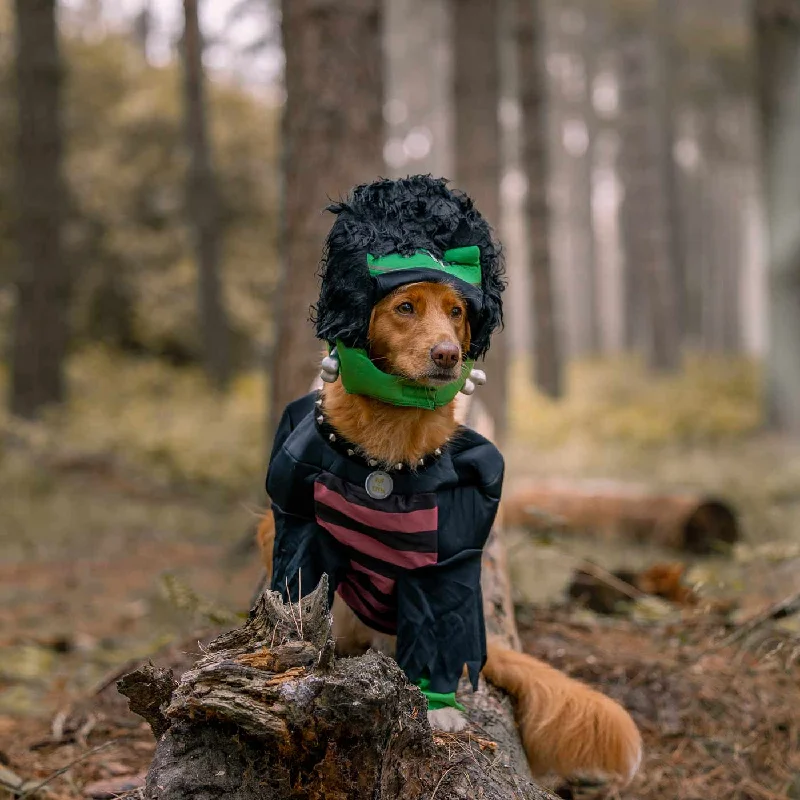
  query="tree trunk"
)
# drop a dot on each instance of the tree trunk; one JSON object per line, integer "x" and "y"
{"x": 572, "y": 45}
{"x": 41, "y": 326}
{"x": 333, "y": 139}
{"x": 651, "y": 301}
{"x": 778, "y": 50}
{"x": 202, "y": 205}
{"x": 533, "y": 100}
{"x": 418, "y": 62}
{"x": 476, "y": 29}
{"x": 142, "y": 25}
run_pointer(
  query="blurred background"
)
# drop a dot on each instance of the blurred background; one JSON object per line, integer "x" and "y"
{"x": 163, "y": 170}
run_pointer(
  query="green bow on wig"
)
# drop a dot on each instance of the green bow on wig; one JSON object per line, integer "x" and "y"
{"x": 463, "y": 263}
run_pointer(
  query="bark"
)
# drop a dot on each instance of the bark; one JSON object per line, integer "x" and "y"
{"x": 333, "y": 140}
{"x": 476, "y": 29}
{"x": 41, "y": 325}
{"x": 778, "y": 52}
{"x": 202, "y": 205}
{"x": 682, "y": 521}
{"x": 268, "y": 712}
{"x": 548, "y": 368}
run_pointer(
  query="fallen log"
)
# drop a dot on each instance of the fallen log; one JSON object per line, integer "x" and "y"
{"x": 681, "y": 521}
{"x": 270, "y": 713}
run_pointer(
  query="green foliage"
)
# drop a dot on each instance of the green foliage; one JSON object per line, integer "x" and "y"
{"x": 161, "y": 421}
{"x": 621, "y": 402}
{"x": 126, "y": 234}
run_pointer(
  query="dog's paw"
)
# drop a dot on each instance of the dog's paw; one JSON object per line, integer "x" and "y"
{"x": 450, "y": 720}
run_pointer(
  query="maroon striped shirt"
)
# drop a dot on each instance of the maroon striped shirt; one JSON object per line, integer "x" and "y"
{"x": 382, "y": 537}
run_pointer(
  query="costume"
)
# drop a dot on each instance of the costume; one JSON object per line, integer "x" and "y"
{"x": 402, "y": 547}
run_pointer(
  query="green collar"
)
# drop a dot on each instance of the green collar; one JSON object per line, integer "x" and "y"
{"x": 360, "y": 376}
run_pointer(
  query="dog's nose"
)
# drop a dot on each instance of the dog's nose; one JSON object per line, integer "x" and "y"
{"x": 445, "y": 354}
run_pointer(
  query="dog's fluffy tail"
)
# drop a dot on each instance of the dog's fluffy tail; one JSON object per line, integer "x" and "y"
{"x": 566, "y": 727}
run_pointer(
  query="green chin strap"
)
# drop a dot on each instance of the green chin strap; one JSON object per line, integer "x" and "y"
{"x": 360, "y": 376}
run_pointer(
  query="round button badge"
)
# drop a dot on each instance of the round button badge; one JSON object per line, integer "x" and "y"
{"x": 379, "y": 485}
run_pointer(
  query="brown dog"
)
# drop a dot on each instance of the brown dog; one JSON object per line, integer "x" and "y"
{"x": 420, "y": 332}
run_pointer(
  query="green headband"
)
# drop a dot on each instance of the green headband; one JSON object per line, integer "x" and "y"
{"x": 360, "y": 376}
{"x": 463, "y": 263}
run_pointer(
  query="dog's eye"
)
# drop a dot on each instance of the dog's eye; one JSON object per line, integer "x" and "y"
{"x": 456, "y": 312}
{"x": 405, "y": 308}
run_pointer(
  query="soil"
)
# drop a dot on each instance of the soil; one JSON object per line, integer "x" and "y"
{"x": 718, "y": 720}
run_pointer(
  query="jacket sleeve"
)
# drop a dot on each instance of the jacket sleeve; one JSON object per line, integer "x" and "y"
{"x": 302, "y": 552}
{"x": 440, "y": 627}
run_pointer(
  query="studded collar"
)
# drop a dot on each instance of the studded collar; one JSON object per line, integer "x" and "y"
{"x": 352, "y": 451}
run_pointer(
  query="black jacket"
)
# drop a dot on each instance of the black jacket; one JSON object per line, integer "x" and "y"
{"x": 408, "y": 564}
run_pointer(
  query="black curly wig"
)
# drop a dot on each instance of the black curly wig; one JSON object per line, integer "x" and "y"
{"x": 402, "y": 216}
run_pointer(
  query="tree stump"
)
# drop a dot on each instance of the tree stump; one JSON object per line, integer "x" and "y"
{"x": 269, "y": 712}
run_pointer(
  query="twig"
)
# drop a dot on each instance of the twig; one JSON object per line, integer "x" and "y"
{"x": 59, "y": 723}
{"x": 775, "y": 611}
{"x": 33, "y": 789}
{"x": 291, "y": 609}
{"x": 601, "y": 574}
{"x": 444, "y": 775}
{"x": 611, "y": 580}
{"x": 300, "y": 598}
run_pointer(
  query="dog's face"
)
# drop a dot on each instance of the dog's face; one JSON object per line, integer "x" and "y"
{"x": 420, "y": 331}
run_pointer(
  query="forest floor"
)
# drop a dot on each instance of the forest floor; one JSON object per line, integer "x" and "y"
{"x": 123, "y": 536}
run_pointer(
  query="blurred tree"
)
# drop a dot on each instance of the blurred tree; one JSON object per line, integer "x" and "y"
{"x": 333, "y": 139}
{"x": 777, "y": 25}
{"x": 651, "y": 292}
{"x": 571, "y": 58}
{"x": 710, "y": 110}
{"x": 126, "y": 240}
{"x": 418, "y": 56}
{"x": 142, "y": 24}
{"x": 202, "y": 205}
{"x": 548, "y": 368}
{"x": 477, "y": 150}
{"x": 41, "y": 329}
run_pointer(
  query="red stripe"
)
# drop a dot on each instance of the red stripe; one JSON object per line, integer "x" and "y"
{"x": 426, "y": 519}
{"x": 407, "y": 559}
{"x": 349, "y": 596}
{"x": 369, "y": 599}
{"x": 381, "y": 582}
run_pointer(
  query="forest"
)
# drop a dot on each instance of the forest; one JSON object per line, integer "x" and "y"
{"x": 165, "y": 166}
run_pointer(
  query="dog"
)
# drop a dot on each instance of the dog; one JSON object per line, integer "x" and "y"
{"x": 422, "y": 333}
